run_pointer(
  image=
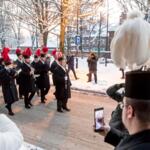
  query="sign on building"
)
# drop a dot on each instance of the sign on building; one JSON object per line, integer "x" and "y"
{"x": 77, "y": 40}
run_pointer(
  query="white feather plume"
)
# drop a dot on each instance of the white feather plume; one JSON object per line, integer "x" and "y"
{"x": 131, "y": 43}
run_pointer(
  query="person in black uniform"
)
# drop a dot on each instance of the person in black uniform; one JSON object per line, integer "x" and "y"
{"x": 135, "y": 114}
{"x": 18, "y": 63}
{"x": 54, "y": 64}
{"x": 43, "y": 81}
{"x": 36, "y": 58}
{"x": 62, "y": 83}
{"x": 7, "y": 77}
{"x": 34, "y": 64}
{"x": 116, "y": 92}
{"x": 27, "y": 81}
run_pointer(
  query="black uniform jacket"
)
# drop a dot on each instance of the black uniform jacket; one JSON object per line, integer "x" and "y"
{"x": 8, "y": 85}
{"x": 52, "y": 69}
{"x": 27, "y": 81}
{"x": 18, "y": 63}
{"x": 116, "y": 116}
{"x": 42, "y": 69}
{"x": 62, "y": 87}
{"x": 138, "y": 141}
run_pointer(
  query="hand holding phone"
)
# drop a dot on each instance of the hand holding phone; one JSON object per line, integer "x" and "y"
{"x": 99, "y": 119}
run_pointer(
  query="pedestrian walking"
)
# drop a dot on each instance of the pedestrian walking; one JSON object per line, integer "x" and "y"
{"x": 70, "y": 63}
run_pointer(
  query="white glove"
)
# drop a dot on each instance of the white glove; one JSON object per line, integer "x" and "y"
{"x": 66, "y": 78}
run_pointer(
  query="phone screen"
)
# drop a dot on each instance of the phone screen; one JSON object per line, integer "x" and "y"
{"x": 99, "y": 119}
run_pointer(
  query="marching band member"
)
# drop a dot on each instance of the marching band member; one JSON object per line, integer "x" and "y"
{"x": 18, "y": 63}
{"x": 43, "y": 81}
{"x": 7, "y": 76}
{"x": 27, "y": 81}
{"x": 34, "y": 64}
{"x": 62, "y": 84}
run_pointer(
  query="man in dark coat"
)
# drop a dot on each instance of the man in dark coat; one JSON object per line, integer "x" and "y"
{"x": 54, "y": 65}
{"x": 7, "y": 77}
{"x": 27, "y": 81}
{"x": 18, "y": 63}
{"x": 92, "y": 64}
{"x": 135, "y": 115}
{"x": 34, "y": 64}
{"x": 62, "y": 83}
{"x": 70, "y": 62}
{"x": 43, "y": 81}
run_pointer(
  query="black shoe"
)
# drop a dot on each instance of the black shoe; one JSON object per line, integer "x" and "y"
{"x": 59, "y": 110}
{"x": 67, "y": 109}
{"x": 30, "y": 104}
{"x": 27, "y": 107}
{"x": 43, "y": 102}
{"x": 11, "y": 113}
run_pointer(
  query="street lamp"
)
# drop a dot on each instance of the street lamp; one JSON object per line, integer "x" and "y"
{"x": 107, "y": 35}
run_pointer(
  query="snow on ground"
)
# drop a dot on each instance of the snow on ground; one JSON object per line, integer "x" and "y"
{"x": 107, "y": 76}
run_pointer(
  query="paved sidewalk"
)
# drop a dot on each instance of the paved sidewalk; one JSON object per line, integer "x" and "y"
{"x": 48, "y": 129}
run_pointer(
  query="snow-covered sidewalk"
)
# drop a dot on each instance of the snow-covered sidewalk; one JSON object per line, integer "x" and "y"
{"x": 107, "y": 76}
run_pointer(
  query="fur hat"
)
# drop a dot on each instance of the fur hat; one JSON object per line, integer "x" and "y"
{"x": 45, "y": 49}
{"x": 27, "y": 53}
{"x": 137, "y": 85}
{"x": 5, "y": 56}
{"x": 18, "y": 52}
{"x": 37, "y": 52}
{"x": 53, "y": 53}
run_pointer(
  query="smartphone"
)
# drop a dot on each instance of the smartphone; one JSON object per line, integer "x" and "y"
{"x": 99, "y": 119}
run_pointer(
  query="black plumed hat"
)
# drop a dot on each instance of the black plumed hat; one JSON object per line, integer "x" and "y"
{"x": 137, "y": 85}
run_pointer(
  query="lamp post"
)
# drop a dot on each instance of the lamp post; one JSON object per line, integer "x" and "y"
{"x": 99, "y": 36}
{"x": 77, "y": 45}
{"x": 107, "y": 35}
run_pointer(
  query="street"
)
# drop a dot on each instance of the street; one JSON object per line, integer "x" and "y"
{"x": 48, "y": 129}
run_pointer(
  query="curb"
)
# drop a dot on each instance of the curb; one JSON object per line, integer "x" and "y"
{"x": 89, "y": 91}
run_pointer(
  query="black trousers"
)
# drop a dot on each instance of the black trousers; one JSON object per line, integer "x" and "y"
{"x": 73, "y": 70}
{"x": 90, "y": 76}
{"x": 61, "y": 103}
{"x": 44, "y": 92}
{"x": 28, "y": 97}
{"x": 8, "y": 106}
{"x": 20, "y": 92}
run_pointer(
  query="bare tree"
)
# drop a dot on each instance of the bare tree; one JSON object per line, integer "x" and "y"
{"x": 127, "y": 5}
{"x": 41, "y": 14}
